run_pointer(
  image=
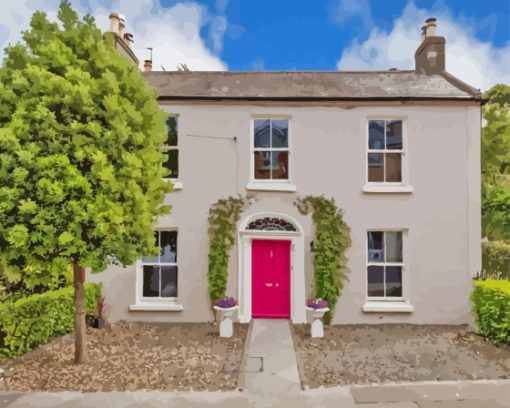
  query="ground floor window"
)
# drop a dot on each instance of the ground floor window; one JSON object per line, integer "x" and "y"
{"x": 160, "y": 272}
{"x": 385, "y": 264}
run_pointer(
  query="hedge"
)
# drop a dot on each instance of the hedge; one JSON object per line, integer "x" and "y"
{"x": 491, "y": 309}
{"x": 34, "y": 320}
{"x": 496, "y": 259}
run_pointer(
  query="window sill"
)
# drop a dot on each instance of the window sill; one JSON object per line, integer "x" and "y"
{"x": 374, "y": 188}
{"x": 263, "y": 186}
{"x": 394, "y": 307}
{"x": 155, "y": 308}
{"x": 176, "y": 183}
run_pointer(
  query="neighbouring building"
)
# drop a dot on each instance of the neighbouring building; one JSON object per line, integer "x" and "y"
{"x": 398, "y": 150}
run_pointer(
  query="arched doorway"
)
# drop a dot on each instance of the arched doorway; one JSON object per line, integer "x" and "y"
{"x": 271, "y": 280}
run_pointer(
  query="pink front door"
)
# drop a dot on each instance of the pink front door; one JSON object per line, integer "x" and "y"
{"x": 270, "y": 279}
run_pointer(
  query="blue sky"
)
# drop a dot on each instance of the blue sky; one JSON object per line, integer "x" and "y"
{"x": 298, "y": 34}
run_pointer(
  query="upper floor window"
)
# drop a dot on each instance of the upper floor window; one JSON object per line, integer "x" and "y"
{"x": 385, "y": 151}
{"x": 271, "y": 149}
{"x": 172, "y": 162}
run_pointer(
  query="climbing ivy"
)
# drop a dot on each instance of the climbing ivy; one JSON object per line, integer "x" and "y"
{"x": 330, "y": 243}
{"x": 223, "y": 218}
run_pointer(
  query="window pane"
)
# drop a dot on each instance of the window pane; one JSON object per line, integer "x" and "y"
{"x": 169, "y": 281}
{"x": 393, "y": 167}
{"x": 375, "y": 246}
{"x": 375, "y": 167}
{"x": 262, "y": 165}
{"x": 171, "y": 125}
{"x": 150, "y": 281}
{"x": 280, "y": 165}
{"x": 280, "y": 133}
{"x": 172, "y": 163}
{"x": 375, "y": 280}
{"x": 394, "y": 134}
{"x": 152, "y": 259}
{"x": 394, "y": 281}
{"x": 393, "y": 246}
{"x": 376, "y": 134}
{"x": 169, "y": 246}
{"x": 262, "y": 133}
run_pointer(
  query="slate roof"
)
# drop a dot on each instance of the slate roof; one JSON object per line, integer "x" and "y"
{"x": 308, "y": 85}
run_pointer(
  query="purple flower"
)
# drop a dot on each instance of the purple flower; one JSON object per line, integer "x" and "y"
{"x": 226, "y": 303}
{"x": 317, "y": 303}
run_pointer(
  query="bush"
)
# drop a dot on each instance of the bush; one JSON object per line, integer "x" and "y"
{"x": 34, "y": 320}
{"x": 491, "y": 309}
{"x": 496, "y": 259}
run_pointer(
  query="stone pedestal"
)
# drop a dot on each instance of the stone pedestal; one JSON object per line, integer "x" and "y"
{"x": 317, "y": 328}
{"x": 225, "y": 317}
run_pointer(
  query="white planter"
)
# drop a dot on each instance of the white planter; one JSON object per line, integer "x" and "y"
{"x": 224, "y": 316}
{"x": 317, "y": 328}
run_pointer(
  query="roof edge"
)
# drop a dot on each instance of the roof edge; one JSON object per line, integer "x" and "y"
{"x": 462, "y": 85}
{"x": 319, "y": 98}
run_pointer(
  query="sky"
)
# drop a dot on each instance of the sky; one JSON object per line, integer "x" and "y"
{"x": 346, "y": 35}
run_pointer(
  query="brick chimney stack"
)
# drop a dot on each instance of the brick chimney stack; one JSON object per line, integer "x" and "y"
{"x": 123, "y": 41}
{"x": 430, "y": 55}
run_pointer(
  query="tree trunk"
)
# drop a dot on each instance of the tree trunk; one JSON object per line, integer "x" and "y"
{"x": 80, "y": 352}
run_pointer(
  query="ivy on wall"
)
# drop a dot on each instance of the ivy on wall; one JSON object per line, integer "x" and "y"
{"x": 332, "y": 238}
{"x": 223, "y": 218}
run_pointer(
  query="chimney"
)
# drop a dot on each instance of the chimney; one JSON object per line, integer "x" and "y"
{"x": 128, "y": 39}
{"x": 430, "y": 55}
{"x": 122, "y": 25}
{"x": 114, "y": 23}
{"x": 147, "y": 65}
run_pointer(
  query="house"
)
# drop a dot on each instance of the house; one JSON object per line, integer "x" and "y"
{"x": 398, "y": 150}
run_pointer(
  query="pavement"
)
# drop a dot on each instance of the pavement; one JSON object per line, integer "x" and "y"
{"x": 270, "y": 378}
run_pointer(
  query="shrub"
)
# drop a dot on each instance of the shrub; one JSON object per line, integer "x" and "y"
{"x": 496, "y": 259}
{"x": 34, "y": 320}
{"x": 491, "y": 309}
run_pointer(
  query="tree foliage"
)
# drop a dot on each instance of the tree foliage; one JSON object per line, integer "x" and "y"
{"x": 495, "y": 160}
{"x": 81, "y": 152}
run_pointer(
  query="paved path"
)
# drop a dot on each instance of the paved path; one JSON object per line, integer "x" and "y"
{"x": 272, "y": 380}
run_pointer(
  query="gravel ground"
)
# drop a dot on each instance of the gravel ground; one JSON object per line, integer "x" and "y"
{"x": 133, "y": 356}
{"x": 363, "y": 354}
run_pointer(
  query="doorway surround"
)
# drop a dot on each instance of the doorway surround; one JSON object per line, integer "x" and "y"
{"x": 297, "y": 264}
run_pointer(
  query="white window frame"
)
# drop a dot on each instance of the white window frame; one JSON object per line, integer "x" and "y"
{"x": 385, "y": 186}
{"x": 177, "y": 184}
{"x": 156, "y": 303}
{"x": 271, "y": 184}
{"x": 384, "y": 303}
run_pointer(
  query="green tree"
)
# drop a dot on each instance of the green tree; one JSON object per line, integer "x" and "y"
{"x": 81, "y": 154}
{"x": 495, "y": 160}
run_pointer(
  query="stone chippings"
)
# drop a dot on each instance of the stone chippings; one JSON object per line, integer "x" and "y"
{"x": 385, "y": 353}
{"x": 133, "y": 356}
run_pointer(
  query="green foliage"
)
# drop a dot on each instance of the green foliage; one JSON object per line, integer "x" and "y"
{"x": 496, "y": 259}
{"x": 491, "y": 309}
{"x": 330, "y": 243}
{"x": 495, "y": 161}
{"x": 223, "y": 218}
{"x": 36, "y": 319}
{"x": 81, "y": 152}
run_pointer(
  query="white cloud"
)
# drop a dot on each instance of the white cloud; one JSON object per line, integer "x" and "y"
{"x": 479, "y": 64}
{"x": 348, "y": 9}
{"x": 173, "y": 33}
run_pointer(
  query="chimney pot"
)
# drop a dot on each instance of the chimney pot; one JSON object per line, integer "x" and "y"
{"x": 114, "y": 23}
{"x": 430, "y": 30}
{"x": 122, "y": 25}
{"x": 423, "y": 35}
{"x": 128, "y": 38}
{"x": 147, "y": 65}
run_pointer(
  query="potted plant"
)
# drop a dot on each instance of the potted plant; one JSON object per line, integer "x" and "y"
{"x": 317, "y": 307}
{"x": 99, "y": 321}
{"x": 225, "y": 308}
